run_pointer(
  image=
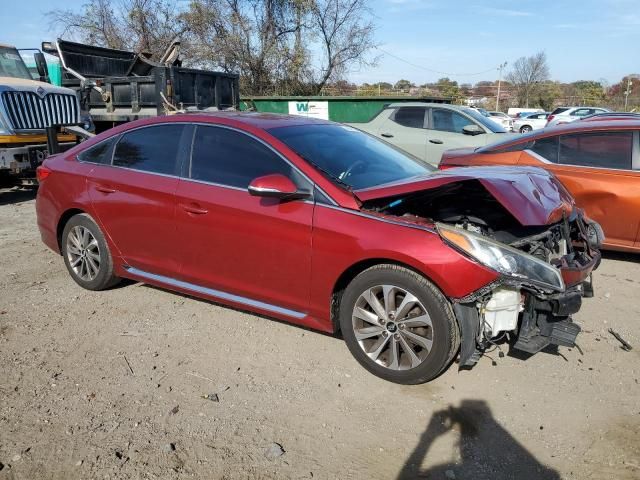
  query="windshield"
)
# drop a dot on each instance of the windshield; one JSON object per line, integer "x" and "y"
{"x": 350, "y": 156}
{"x": 11, "y": 64}
{"x": 490, "y": 124}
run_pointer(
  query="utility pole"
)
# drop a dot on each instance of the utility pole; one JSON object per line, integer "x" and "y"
{"x": 502, "y": 65}
{"x": 626, "y": 93}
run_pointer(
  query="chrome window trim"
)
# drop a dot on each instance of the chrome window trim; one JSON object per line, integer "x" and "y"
{"x": 180, "y": 177}
{"x": 216, "y": 293}
{"x": 537, "y": 156}
{"x": 373, "y": 217}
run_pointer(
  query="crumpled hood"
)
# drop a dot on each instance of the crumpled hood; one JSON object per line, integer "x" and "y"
{"x": 532, "y": 195}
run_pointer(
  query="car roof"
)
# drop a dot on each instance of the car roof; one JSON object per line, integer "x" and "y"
{"x": 261, "y": 120}
{"x": 564, "y": 129}
{"x": 423, "y": 104}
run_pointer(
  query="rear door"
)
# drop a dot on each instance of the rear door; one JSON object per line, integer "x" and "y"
{"x": 405, "y": 128}
{"x": 254, "y": 247}
{"x": 601, "y": 171}
{"x": 134, "y": 195}
{"x": 445, "y": 132}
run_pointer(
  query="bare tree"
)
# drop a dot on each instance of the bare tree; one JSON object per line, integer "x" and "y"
{"x": 346, "y": 33}
{"x": 139, "y": 25}
{"x": 526, "y": 76}
{"x": 277, "y": 46}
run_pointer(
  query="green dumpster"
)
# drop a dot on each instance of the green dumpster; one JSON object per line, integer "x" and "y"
{"x": 337, "y": 109}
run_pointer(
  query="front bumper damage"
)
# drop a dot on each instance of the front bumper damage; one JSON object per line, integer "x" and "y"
{"x": 531, "y": 318}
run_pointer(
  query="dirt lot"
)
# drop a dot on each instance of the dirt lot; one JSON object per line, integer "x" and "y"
{"x": 111, "y": 385}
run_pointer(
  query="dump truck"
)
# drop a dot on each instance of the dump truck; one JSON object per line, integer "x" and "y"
{"x": 117, "y": 86}
{"x": 27, "y": 108}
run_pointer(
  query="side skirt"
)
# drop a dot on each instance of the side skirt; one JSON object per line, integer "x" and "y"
{"x": 216, "y": 294}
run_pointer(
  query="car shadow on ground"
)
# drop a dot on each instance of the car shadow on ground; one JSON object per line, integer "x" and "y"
{"x": 17, "y": 194}
{"x": 337, "y": 335}
{"x": 621, "y": 256}
{"x": 487, "y": 450}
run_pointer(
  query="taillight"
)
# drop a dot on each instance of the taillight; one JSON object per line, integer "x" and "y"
{"x": 42, "y": 172}
{"x": 549, "y": 118}
{"x": 446, "y": 167}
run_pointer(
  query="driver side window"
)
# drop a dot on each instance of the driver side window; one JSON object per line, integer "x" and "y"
{"x": 231, "y": 158}
{"x": 449, "y": 121}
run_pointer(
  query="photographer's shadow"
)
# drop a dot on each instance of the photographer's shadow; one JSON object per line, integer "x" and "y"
{"x": 487, "y": 450}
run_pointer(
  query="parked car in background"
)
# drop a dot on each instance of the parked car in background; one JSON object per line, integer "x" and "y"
{"x": 425, "y": 130}
{"x": 530, "y": 122}
{"x": 324, "y": 226}
{"x": 502, "y": 119}
{"x": 598, "y": 162}
{"x": 514, "y": 112}
{"x": 570, "y": 114}
{"x": 611, "y": 116}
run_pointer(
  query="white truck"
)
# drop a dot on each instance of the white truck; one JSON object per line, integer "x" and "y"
{"x": 27, "y": 108}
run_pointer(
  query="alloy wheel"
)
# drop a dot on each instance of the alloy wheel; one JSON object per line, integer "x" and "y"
{"x": 392, "y": 327}
{"x": 83, "y": 253}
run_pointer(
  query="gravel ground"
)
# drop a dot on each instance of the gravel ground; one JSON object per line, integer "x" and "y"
{"x": 137, "y": 383}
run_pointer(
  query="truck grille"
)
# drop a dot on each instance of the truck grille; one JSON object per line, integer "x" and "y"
{"x": 27, "y": 111}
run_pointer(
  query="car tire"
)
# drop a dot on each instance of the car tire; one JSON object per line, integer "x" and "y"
{"x": 525, "y": 129}
{"x": 86, "y": 254}
{"x": 407, "y": 342}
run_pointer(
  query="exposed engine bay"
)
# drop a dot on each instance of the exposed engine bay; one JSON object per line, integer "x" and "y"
{"x": 532, "y": 302}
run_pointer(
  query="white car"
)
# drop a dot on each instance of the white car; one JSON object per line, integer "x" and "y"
{"x": 530, "y": 122}
{"x": 571, "y": 114}
{"x": 502, "y": 119}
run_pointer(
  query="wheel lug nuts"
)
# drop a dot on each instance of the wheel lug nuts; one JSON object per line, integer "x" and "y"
{"x": 397, "y": 336}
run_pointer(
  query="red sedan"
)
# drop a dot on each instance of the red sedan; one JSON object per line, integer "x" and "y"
{"x": 324, "y": 226}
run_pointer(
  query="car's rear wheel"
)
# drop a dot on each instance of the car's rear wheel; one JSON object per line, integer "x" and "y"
{"x": 86, "y": 254}
{"x": 398, "y": 325}
{"x": 525, "y": 129}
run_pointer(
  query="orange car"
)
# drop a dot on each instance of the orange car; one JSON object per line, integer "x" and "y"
{"x": 598, "y": 162}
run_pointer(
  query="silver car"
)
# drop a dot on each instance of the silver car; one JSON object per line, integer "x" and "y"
{"x": 427, "y": 129}
{"x": 530, "y": 122}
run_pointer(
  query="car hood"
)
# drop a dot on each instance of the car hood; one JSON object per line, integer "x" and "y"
{"x": 532, "y": 195}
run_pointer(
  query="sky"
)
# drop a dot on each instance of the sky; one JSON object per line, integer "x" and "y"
{"x": 423, "y": 40}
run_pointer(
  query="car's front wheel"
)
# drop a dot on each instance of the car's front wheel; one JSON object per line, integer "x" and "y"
{"x": 398, "y": 325}
{"x": 86, "y": 254}
{"x": 525, "y": 129}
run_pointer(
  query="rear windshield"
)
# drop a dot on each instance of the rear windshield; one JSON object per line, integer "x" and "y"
{"x": 559, "y": 110}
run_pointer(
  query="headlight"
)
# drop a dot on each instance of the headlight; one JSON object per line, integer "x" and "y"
{"x": 503, "y": 259}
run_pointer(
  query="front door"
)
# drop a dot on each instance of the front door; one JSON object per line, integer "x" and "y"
{"x": 445, "y": 132}
{"x": 253, "y": 247}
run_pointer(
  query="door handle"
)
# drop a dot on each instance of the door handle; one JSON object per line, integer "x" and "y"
{"x": 105, "y": 189}
{"x": 194, "y": 209}
{"x": 436, "y": 141}
{"x": 386, "y": 135}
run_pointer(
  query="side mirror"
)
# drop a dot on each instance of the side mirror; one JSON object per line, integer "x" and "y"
{"x": 41, "y": 65}
{"x": 275, "y": 185}
{"x": 472, "y": 129}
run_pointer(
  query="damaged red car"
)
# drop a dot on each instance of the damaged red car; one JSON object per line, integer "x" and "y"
{"x": 324, "y": 226}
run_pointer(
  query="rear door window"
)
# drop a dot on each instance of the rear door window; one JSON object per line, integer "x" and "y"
{"x": 412, "y": 117}
{"x": 231, "y": 158}
{"x": 602, "y": 150}
{"x": 151, "y": 149}
{"x": 100, "y": 153}
{"x": 547, "y": 148}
